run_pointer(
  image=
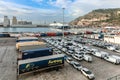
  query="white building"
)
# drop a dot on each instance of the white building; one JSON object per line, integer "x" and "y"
{"x": 112, "y": 39}
{"x": 6, "y": 22}
{"x": 57, "y": 24}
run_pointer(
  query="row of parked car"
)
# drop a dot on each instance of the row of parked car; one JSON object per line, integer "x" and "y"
{"x": 79, "y": 67}
{"x": 101, "y": 54}
{"x": 70, "y": 48}
{"x": 72, "y": 51}
{"x": 98, "y": 43}
{"x": 73, "y": 47}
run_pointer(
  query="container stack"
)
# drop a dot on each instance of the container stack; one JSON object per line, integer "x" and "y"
{"x": 34, "y": 55}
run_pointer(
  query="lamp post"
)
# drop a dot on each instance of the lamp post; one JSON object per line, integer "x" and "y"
{"x": 63, "y": 21}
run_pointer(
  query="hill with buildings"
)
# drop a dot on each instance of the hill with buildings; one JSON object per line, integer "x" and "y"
{"x": 99, "y": 17}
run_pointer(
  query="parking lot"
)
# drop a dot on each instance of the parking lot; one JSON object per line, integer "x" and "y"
{"x": 8, "y": 68}
{"x": 102, "y": 70}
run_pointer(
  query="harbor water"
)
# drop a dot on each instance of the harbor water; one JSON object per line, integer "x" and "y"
{"x": 40, "y": 29}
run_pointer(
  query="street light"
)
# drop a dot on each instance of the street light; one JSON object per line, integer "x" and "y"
{"x": 63, "y": 21}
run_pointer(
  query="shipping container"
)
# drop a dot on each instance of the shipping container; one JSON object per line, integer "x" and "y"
{"x": 65, "y": 33}
{"x": 59, "y": 34}
{"x": 51, "y": 34}
{"x": 23, "y": 39}
{"x": 36, "y": 53}
{"x": 43, "y": 34}
{"x": 40, "y": 63}
{"x": 15, "y": 35}
{"x": 37, "y": 35}
{"x": 4, "y": 35}
{"x": 31, "y": 47}
{"x": 28, "y": 43}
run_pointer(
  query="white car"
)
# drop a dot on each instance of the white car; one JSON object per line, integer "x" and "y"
{"x": 69, "y": 60}
{"x": 88, "y": 73}
{"x": 111, "y": 48}
{"x": 100, "y": 54}
{"x": 87, "y": 58}
{"x": 94, "y": 50}
{"x": 112, "y": 59}
{"x": 77, "y": 56}
{"x": 60, "y": 47}
{"x": 117, "y": 50}
{"x": 76, "y": 65}
{"x": 69, "y": 52}
{"x": 64, "y": 49}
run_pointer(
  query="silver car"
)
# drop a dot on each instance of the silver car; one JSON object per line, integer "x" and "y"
{"x": 88, "y": 73}
{"x": 76, "y": 65}
{"x": 69, "y": 60}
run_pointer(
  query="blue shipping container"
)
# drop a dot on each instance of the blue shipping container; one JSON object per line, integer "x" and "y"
{"x": 36, "y": 53}
{"x": 4, "y": 35}
{"x": 43, "y": 34}
{"x": 45, "y": 63}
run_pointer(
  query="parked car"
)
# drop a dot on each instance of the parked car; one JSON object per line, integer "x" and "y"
{"x": 117, "y": 50}
{"x": 70, "y": 52}
{"x": 111, "y": 48}
{"x": 112, "y": 59}
{"x": 76, "y": 65}
{"x": 69, "y": 60}
{"x": 94, "y": 50}
{"x": 77, "y": 56}
{"x": 88, "y": 73}
{"x": 100, "y": 54}
{"x": 88, "y": 58}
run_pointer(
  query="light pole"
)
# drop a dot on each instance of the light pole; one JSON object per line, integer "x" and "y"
{"x": 63, "y": 21}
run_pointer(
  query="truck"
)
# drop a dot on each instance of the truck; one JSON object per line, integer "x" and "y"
{"x": 24, "y": 39}
{"x": 40, "y": 63}
{"x": 35, "y": 53}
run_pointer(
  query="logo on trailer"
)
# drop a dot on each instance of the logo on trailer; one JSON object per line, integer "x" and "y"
{"x": 55, "y": 61}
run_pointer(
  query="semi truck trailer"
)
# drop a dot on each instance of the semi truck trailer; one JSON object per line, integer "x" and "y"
{"x": 31, "y": 47}
{"x": 24, "y": 39}
{"x": 35, "y": 53}
{"x": 40, "y": 63}
{"x": 20, "y": 44}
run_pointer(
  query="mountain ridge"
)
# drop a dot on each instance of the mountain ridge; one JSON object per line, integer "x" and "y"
{"x": 99, "y": 17}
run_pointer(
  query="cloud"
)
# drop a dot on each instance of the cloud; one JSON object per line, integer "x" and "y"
{"x": 38, "y": 1}
{"x": 60, "y": 3}
{"x": 76, "y": 8}
{"x": 26, "y": 12}
{"x": 51, "y": 10}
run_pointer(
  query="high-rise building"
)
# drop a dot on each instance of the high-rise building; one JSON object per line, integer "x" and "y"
{"x": 14, "y": 21}
{"x": 6, "y": 21}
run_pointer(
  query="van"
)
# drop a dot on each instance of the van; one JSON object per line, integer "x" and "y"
{"x": 112, "y": 59}
{"x": 100, "y": 54}
{"x": 88, "y": 58}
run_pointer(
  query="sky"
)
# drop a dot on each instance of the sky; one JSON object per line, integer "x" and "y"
{"x": 48, "y": 11}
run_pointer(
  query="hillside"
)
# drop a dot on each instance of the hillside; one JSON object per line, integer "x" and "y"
{"x": 99, "y": 17}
